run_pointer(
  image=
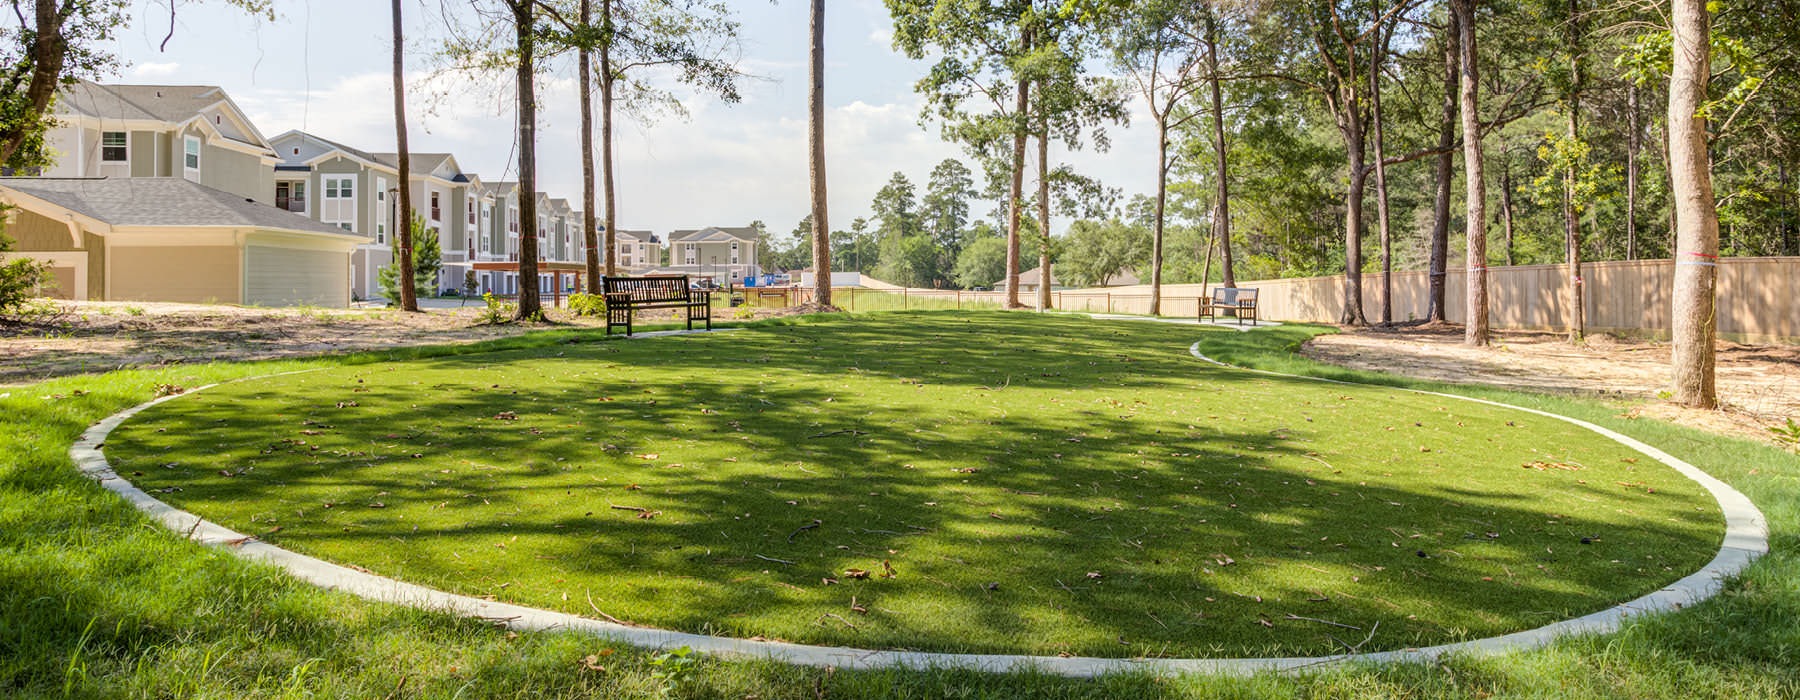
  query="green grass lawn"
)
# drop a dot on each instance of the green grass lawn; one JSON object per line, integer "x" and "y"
{"x": 1037, "y": 484}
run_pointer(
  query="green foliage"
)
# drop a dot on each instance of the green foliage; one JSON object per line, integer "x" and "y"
{"x": 1787, "y": 434}
{"x": 1095, "y": 251}
{"x": 912, "y": 261}
{"x": 982, "y": 263}
{"x": 428, "y": 259}
{"x": 495, "y": 312}
{"x": 20, "y": 278}
{"x": 587, "y": 304}
{"x": 670, "y": 670}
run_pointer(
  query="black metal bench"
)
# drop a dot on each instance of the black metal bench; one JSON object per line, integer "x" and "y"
{"x": 1241, "y": 301}
{"x": 626, "y": 295}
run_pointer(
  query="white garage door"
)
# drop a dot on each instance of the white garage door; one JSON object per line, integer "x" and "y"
{"x": 277, "y": 276}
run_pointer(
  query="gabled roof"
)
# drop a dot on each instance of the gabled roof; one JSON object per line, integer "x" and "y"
{"x": 170, "y": 104}
{"x": 419, "y": 163}
{"x": 165, "y": 103}
{"x": 714, "y": 234}
{"x": 330, "y": 144}
{"x": 161, "y": 201}
{"x": 641, "y": 236}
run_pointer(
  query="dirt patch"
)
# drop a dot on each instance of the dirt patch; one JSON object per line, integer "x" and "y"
{"x": 103, "y": 336}
{"x": 1759, "y": 384}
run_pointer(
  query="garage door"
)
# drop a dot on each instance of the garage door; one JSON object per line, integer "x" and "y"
{"x": 277, "y": 276}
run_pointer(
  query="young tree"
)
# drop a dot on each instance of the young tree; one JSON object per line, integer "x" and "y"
{"x": 895, "y": 209}
{"x": 815, "y": 137}
{"x": 1696, "y": 216}
{"x": 1155, "y": 43}
{"x": 420, "y": 269}
{"x": 403, "y": 257}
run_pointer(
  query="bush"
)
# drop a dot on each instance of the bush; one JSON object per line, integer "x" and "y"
{"x": 496, "y": 312}
{"x": 20, "y": 280}
{"x": 587, "y": 304}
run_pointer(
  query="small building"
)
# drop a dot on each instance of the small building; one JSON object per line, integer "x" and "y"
{"x": 171, "y": 239}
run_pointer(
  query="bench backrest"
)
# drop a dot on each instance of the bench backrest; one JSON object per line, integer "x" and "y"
{"x": 1242, "y": 296}
{"x": 648, "y": 289}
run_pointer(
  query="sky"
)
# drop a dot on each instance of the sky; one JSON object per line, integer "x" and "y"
{"x": 323, "y": 66}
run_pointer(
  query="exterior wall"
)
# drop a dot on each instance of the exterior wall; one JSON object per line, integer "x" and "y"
{"x": 145, "y": 153}
{"x": 362, "y": 218}
{"x": 276, "y": 275}
{"x": 365, "y": 264}
{"x": 31, "y": 231}
{"x": 198, "y": 274}
{"x": 224, "y": 169}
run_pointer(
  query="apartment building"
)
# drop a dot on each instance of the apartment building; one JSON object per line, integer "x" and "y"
{"x": 725, "y": 254}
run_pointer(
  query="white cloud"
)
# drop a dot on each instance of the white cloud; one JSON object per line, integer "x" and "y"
{"x": 155, "y": 70}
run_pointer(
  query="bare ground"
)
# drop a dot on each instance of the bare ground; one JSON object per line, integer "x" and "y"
{"x": 1758, "y": 384}
{"x": 103, "y": 336}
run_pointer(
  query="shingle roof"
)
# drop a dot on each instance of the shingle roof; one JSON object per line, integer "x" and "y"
{"x": 635, "y": 234}
{"x": 365, "y": 155}
{"x": 419, "y": 162}
{"x": 160, "y": 201}
{"x": 169, "y": 103}
{"x": 743, "y": 232}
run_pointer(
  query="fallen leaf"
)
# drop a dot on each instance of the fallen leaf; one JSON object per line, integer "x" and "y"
{"x": 857, "y": 574}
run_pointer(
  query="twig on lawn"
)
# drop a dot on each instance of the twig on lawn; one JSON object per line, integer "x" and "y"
{"x": 814, "y": 525}
{"x": 839, "y": 618}
{"x": 630, "y": 508}
{"x": 1357, "y": 648}
{"x": 601, "y": 613}
{"x": 1292, "y": 616}
{"x": 847, "y": 431}
{"x": 773, "y": 559}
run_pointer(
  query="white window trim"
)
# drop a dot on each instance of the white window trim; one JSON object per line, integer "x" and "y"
{"x": 192, "y": 173}
{"x": 127, "y": 159}
{"x": 380, "y": 215}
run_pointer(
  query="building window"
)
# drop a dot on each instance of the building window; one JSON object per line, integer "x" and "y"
{"x": 734, "y": 252}
{"x": 512, "y": 221}
{"x": 471, "y": 211}
{"x": 382, "y": 212}
{"x": 339, "y": 187}
{"x": 692, "y": 254}
{"x": 339, "y": 205}
{"x": 291, "y": 196}
{"x": 437, "y": 214}
{"x": 190, "y": 158}
{"x": 113, "y": 147}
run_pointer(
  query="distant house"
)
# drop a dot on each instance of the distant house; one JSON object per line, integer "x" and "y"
{"x": 725, "y": 254}
{"x": 1028, "y": 281}
{"x": 170, "y": 239}
{"x": 638, "y": 251}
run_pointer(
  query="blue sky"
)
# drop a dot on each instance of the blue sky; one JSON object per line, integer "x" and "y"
{"x": 323, "y": 66}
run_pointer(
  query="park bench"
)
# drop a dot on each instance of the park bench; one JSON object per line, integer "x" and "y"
{"x": 626, "y": 295}
{"x": 1241, "y": 301}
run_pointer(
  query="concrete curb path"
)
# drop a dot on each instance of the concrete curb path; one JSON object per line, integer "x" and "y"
{"x": 1746, "y": 538}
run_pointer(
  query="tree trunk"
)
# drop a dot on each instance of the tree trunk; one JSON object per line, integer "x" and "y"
{"x": 1571, "y": 215}
{"x": 584, "y": 71}
{"x": 1017, "y": 190}
{"x": 1381, "y": 189}
{"x": 815, "y": 108}
{"x": 409, "y": 299}
{"x": 1353, "y": 220}
{"x": 1221, "y": 178}
{"x": 49, "y": 52}
{"x": 1162, "y": 202}
{"x": 1043, "y": 207}
{"x": 1633, "y": 144}
{"x": 1440, "y": 220}
{"x": 1697, "y": 220}
{"x": 524, "y": 21}
{"x": 609, "y": 194}
{"x": 1506, "y": 206}
{"x": 1476, "y": 331}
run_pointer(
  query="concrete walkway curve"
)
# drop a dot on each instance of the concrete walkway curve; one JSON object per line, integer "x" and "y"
{"x": 1746, "y": 538}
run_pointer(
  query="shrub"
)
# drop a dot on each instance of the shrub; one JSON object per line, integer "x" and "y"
{"x": 20, "y": 280}
{"x": 496, "y": 311}
{"x": 587, "y": 304}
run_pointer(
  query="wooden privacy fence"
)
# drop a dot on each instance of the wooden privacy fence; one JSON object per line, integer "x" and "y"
{"x": 1759, "y": 298}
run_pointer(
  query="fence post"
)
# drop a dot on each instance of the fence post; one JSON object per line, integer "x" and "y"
{"x": 1109, "y": 302}
{"x": 905, "y": 293}
{"x": 958, "y": 300}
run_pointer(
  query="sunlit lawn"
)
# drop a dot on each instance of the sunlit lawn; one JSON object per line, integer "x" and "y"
{"x": 1008, "y": 482}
